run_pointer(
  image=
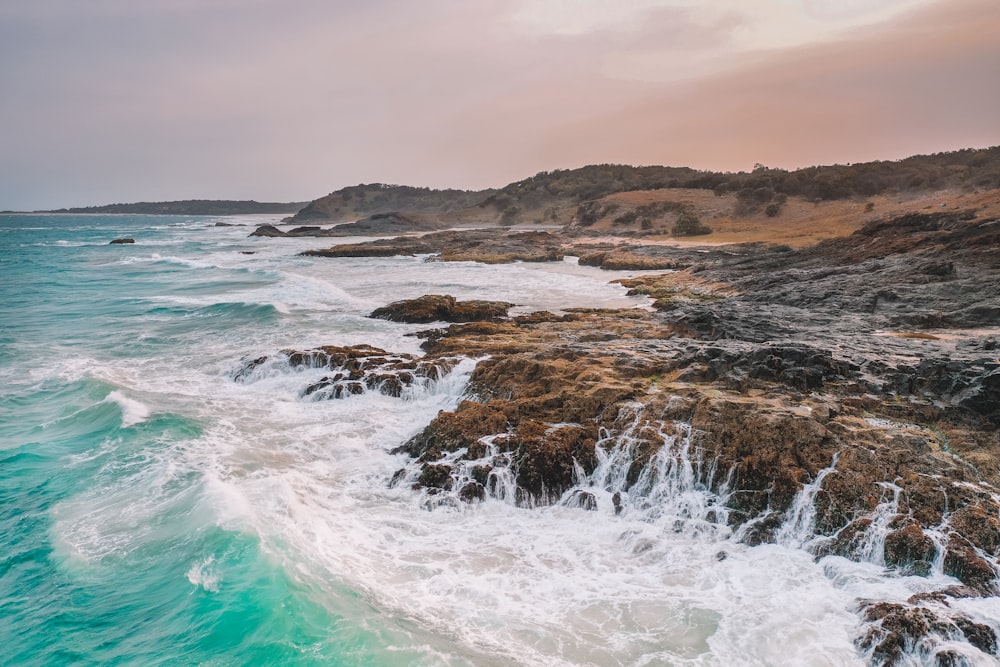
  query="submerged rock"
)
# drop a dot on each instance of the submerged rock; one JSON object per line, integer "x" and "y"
{"x": 356, "y": 370}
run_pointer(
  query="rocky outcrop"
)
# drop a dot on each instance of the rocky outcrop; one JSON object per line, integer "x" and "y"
{"x": 355, "y": 370}
{"x": 269, "y": 231}
{"x": 378, "y": 224}
{"x": 442, "y": 308}
{"x": 894, "y": 630}
{"x": 122, "y": 241}
{"x": 386, "y": 223}
{"x": 776, "y": 396}
{"x": 626, "y": 260}
{"x": 490, "y": 246}
{"x": 779, "y": 380}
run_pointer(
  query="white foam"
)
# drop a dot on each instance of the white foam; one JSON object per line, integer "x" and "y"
{"x": 133, "y": 411}
{"x": 204, "y": 575}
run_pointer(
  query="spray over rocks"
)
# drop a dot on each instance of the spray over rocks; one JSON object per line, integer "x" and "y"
{"x": 840, "y": 399}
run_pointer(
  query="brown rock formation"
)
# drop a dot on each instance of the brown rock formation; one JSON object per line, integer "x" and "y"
{"x": 442, "y": 308}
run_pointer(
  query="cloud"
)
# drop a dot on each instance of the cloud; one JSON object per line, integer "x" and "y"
{"x": 111, "y": 100}
{"x": 923, "y": 84}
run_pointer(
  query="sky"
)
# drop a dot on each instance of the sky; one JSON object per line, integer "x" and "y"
{"x": 106, "y": 101}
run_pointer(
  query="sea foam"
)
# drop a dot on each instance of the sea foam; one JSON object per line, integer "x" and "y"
{"x": 133, "y": 411}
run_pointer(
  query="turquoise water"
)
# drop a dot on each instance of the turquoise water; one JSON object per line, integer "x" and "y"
{"x": 155, "y": 511}
{"x": 105, "y": 527}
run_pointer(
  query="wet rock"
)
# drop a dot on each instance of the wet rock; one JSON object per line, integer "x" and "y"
{"x": 357, "y": 369}
{"x": 910, "y": 549}
{"x": 435, "y": 476}
{"x": 442, "y": 308}
{"x": 773, "y": 453}
{"x": 397, "y": 477}
{"x": 379, "y": 223}
{"x": 778, "y": 361}
{"x": 387, "y": 223}
{"x": 895, "y": 630}
{"x": 472, "y": 492}
{"x": 544, "y": 456}
{"x": 269, "y": 231}
{"x": 980, "y": 525}
{"x": 963, "y": 562}
{"x": 585, "y": 500}
{"x": 450, "y": 431}
{"x": 982, "y": 395}
{"x": 122, "y": 241}
{"x": 373, "y": 249}
{"x": 481, "y": 474}
{"x": 763, "y": 529}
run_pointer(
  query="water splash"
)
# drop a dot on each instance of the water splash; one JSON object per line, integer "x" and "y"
{"x": 133, "y": 411}
{"x": 798, "y": 529}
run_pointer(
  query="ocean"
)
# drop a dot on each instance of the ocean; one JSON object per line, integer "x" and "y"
{"x": 155, "y": 511}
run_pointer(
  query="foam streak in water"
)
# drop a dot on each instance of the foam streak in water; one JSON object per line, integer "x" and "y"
{"x": 133, "y": 411}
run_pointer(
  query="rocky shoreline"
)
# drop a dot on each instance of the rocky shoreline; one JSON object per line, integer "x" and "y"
{"x": 844, "y": 396}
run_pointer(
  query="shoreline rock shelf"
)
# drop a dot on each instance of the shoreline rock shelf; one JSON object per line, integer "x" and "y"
{"x": 764, "y": 380}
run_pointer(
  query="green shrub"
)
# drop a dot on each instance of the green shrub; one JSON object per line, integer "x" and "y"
{"x": 688, "y": 224}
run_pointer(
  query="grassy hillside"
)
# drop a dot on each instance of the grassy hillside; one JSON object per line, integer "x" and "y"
{"x": 358, "y": 201}
{"x": 800, "y": 222}
{"x": 606, "y": 196}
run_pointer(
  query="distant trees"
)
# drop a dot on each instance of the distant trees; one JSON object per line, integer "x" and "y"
{"x": 688, "y": 224}
{"x": 509, "y": 216}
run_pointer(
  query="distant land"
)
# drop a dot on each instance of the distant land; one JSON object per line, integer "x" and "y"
{"x": 640, "y": 200}
{"x": 594, "y": 194}
{"x": 795, "y": 207}
{"x": 190, "y": 207}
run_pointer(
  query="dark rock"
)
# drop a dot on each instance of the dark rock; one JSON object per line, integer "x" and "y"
{"x": 122, "y": 241}
{"x": 473, "y": 491}
{"x": 268, "y": 231}
{"x": 357, "y": 369}
{"x": 397, "y": 477}
{"x": 909, "y": 547}
{"x": 982, "y": 395}
{"x": 481, "y": 474}
{"x": 763, "y": 529}
{"x": 442, "y": 308}
{"x": 491, "y": 246}
{"x": 544, "y": 456}
{"x": 450, "y": 431}
{"x": 962, "y": 562}
{"x": 896, "y": 629}
{"x": 582, "y": 499}
{"x": 436, "y": 476}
